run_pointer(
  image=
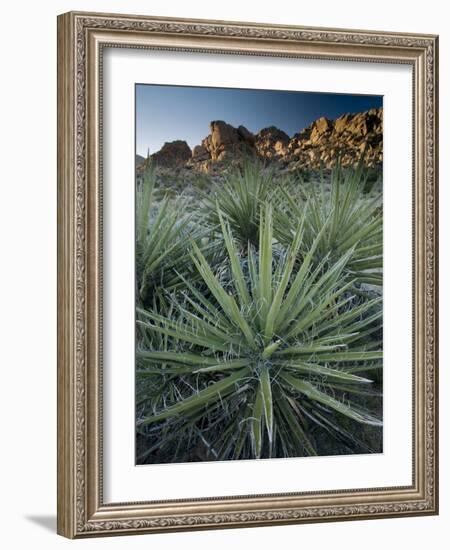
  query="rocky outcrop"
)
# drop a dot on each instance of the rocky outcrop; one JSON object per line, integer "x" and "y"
{"x": 318, "y": 145}
{"x": 321, "y": 128}
{"x": 200, "y": 153}
{"x": 225, "y": 142}
{"x": 172, "y": 153}
{"x": 271, "y": 143}
{"x": 345, "y": 138}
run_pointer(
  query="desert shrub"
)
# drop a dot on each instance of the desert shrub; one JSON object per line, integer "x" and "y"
{"x": 268, "y": 354}
{"x": 239, "y": 196}
{"x": 164, "y": 228}
{"x": 344, "y": 213}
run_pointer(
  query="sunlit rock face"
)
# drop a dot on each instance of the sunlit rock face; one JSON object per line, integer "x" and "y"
{"x": 319, "y": 145}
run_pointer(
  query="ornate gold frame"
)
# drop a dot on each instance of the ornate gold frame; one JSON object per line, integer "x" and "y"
{"x": 81, "y": 37}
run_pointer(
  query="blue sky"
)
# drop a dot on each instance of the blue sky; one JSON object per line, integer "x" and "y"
{"x": 167, "y": 113}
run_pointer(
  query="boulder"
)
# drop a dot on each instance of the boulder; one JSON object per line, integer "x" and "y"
{"x": 200, "y": 153}
{"x": 342, "y": 123}
{"x": 271, "y": 142}
{"x": 320, "y": 128}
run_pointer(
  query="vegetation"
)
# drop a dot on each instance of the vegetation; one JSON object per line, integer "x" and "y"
{"x": 259, "y": 317}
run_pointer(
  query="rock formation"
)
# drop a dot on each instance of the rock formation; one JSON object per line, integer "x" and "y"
{"x": 225, "y": 142}
{"x": 271, "y": 142}
{"x": 318, "y": 145}
{"x": 172, "y": 153}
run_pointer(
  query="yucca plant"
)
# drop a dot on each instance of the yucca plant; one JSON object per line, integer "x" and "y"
{"x": 346, "y": 215}
{"x": 163, "y": 229}
{"x": 265, "y": 366}
{"x": 240, "y": 194}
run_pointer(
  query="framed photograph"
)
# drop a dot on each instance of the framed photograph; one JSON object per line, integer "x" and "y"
{"x": 247, "y": 288}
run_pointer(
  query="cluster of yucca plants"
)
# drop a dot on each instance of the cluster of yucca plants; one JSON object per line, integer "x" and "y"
{"x": 346, "y": 212}
{"x": 259, "y": 318}
{"x": 165, "y": 227}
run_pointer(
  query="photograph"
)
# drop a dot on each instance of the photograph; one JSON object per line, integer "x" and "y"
{"x": 258, "y": 274}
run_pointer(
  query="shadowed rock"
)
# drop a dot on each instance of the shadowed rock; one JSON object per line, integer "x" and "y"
{"x": 172, "y": 153}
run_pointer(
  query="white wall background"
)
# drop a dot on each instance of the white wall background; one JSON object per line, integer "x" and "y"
{"x": 28, "y": 272}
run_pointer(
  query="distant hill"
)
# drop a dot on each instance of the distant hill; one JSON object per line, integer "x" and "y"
{"x": 139, "y": 160}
